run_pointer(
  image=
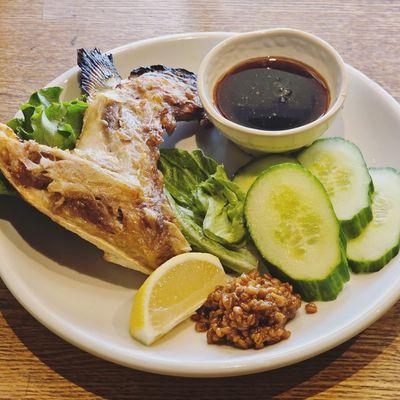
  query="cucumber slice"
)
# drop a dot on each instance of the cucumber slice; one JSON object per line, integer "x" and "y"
{"x": 379, "y": 242}
{"x": 294, "y": 227}
{"x": 341, "y": 168}
{"x": 248, "y": 173}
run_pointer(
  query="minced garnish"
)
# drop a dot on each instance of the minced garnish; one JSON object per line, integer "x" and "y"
{"x": 311, "y": 308}
{"x": 250, "y": 311}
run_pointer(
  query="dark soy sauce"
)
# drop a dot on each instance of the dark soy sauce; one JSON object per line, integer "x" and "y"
{"x": 273, "y": 93}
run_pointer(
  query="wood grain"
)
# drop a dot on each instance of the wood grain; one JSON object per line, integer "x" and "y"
{"x": 37, "y": 42}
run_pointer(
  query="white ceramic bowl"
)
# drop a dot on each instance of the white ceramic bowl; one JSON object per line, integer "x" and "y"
{"x": 282, "y": 42}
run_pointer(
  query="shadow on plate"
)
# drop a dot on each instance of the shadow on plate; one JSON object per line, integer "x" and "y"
{"x": 50, "y": 240}
{"x": 114, "y": 382}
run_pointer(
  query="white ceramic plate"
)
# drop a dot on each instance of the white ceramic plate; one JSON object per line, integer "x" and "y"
{"x": 64, "y": 283}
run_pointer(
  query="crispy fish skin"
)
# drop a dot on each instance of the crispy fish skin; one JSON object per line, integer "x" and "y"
{"x": 108, "y": 190}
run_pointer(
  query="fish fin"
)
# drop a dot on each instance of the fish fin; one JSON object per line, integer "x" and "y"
{"x": 97, "y": 71}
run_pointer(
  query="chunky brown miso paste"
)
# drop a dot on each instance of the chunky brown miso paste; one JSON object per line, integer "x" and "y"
{"x": 272, "y": 93}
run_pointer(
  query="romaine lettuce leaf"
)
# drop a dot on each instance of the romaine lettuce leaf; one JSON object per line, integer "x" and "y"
{"x": 200, "y": 184}
{"x": 208, "y": 205}
{"x": 49, "y": 121}
{"x": 239, "y": 260}
{"x": 183, "y": 172}
{"x": 221, "y": 202}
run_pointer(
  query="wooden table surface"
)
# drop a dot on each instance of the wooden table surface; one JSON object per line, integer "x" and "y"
{"x": 38, "y": 40}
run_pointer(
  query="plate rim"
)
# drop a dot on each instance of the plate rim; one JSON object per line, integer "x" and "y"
{"x": 113, "y": 353}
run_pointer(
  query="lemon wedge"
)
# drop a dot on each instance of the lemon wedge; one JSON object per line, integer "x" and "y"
{"x": 172, "y": 293}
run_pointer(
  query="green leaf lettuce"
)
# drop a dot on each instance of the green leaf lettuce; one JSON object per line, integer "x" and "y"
{"x": 47, "y": 120}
